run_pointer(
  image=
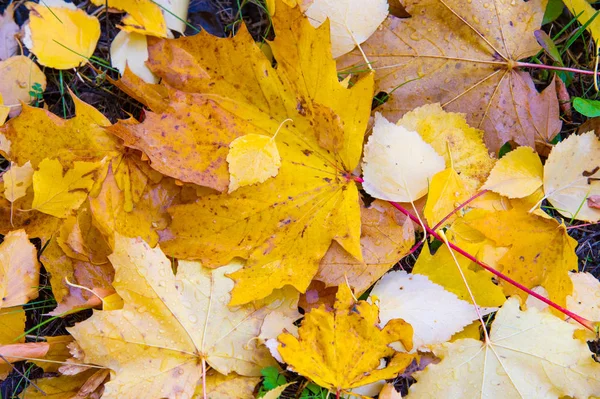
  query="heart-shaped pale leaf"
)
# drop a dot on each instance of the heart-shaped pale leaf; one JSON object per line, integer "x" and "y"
{"x": 397, "y": 163}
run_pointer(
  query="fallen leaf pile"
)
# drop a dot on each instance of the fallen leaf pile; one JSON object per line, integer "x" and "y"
{"x": 249, "y": 220}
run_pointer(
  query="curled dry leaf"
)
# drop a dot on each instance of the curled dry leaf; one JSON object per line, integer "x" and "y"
{"x": 131, "y": 49}
{"x": 386, "y": 236}
{"x": 342, "y": 349}
{"x": 572, "y": 174}
{"x": 462, "y": 55}
{"x": 529, "y": 355}
{"x": 350, "y": 22}
{"x": 13, "y": 353}
{"x": 61, "y": 36}
{"x": 86, "y": 385}
{"x": 518, "y": 174}
{"x": 397, "y": 164}
{"x": 171, "y": 324}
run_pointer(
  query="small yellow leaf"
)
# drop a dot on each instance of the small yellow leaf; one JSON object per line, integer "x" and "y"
{"x": 447, "y": 190}
{"x": 516, "y": 175}
{"x": 275, "y": 393}
{"x": 19, "y": 270}
{"x": 145, "y": 16}
{"x": 17, "y": 180}
{"x": 397, "y": 163}
{"x": 342, "y": 349}
{"x": 57, "y": 194}
{"x": 252, "y": 159}
{"x": 61, "y": 37}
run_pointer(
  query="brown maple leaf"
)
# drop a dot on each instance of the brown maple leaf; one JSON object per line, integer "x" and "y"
{"x": 465, "y": 56}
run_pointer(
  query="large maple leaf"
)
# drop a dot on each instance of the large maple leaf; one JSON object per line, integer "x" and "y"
{"x": 170, "y": 324}
{"x": 284, "y": 226}
{"x": 463, "y": 55}
{"x": 528, "y": 355}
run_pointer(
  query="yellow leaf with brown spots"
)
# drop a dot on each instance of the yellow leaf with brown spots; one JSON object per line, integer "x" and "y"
{"x": 285, "y": 225}
{"x": 38, "y": 134}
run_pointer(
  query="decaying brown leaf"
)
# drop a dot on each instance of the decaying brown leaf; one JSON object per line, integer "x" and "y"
{"x": 462, "y": 55}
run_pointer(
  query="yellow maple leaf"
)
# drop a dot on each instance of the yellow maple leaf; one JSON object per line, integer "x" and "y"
{"x": 516, "y": 175}
{"x": 171, "y": 324}
{"x": 528, "y": 355}
{"x": 61, "y": 36}
{"x": 252, "y": 159}
{"x": 57, "y": 194}
{"x": 130, "y": 203}
{"x": 38, "y": 134}
{"x": 342, "y": 349}
{"x": 278, "y": 225}
{"x": 19, "y": 270}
